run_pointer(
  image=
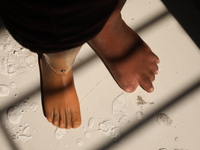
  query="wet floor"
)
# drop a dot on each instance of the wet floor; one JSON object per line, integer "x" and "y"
{"x": 167, "y": 119}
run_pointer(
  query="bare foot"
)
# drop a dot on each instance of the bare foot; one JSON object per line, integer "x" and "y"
{"x": 60, "y": 101}
{"x": 128, "y": 58}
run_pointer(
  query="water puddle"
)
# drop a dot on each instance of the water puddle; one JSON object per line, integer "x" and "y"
{"x": 120, "y": 104}
{"x": 22, "y": 134}
{"x": 79, "y": 142}
{"x": 15, "y": 113}
{"x": 109, "y": 129}
{"x": 125, "y": 118}
{"x": 14, "y": 58}
{"x": 24, "y": 138}
{"x": 4, "y": 90}
{"x": 59, "y": 133}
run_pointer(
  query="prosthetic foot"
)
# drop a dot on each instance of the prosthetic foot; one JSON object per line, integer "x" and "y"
{"x": 59, "y": 98}
{"x": 128, "y": 58}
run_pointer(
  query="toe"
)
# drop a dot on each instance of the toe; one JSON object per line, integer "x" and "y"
{"x": 130, "y": 86}
{"x": 68, "y": 119}
{"x": 49, "y": 114}
{"x": 76, "y": 119}
{"x": 147, "y": 85}
{"x": 151, "y": 76}
{"x": 156, "y": 59}
{"x": 62, "y": 123}
{"x": 56, "y": 116}
{"x": 154, "y": 68}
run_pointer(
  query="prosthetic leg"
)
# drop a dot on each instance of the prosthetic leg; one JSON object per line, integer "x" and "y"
{"x": 59, "y": 97}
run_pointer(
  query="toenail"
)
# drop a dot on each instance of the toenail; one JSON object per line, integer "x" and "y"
{"x": 76, "y": 124}
{"x": 55, "y": 123}
{"x": 129, "y": 89}
{"x": 49, "y": 119}
{"x": 62, "y": 125}
{"x": 151, "y": 90}
{"x": 158, "y": 61}
{"x": 157, "y": 71}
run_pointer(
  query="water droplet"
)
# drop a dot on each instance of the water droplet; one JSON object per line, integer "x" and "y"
{"x": 90, "y": 123}
{"x": 162, "y": 149}
{"x": 24, "y": 138}
{"x": 34, "y": 107}
{"x": 105, "y": 126}
{"x": 109, "y": 129}
{"x": 26, "y": 124}
{"x": 24, "y": 106}
{"x": 139, "y": 115}
{"x": 14, "y": 114}
{"x": 176, "y": 139}
{"x": 30, "y": 60}
{"x": 79, "y": 142}
{"x": 4, "y": 90}
{"x": 13, "y": 136}
{"x": 13, "y": 85}
{"x": 87, "y": 134}
{"x": 26, "y": 128}
{"x": 59, "y": 133}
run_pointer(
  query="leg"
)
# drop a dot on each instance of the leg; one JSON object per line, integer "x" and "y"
{"x": 60, "y": 101}
{"x": 128, "y": 58}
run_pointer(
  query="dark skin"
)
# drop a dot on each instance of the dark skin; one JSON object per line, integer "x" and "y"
{"x": 127, "y": 57}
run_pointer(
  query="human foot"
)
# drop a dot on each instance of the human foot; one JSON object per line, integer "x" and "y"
{"x": 59, "y": 98}
{"x": 127, "y": 57}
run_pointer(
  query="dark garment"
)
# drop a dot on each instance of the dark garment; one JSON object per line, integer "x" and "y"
{"x": 197, "y": 4}
{"x": 45, "y": 26}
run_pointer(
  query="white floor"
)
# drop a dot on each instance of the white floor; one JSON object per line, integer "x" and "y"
{"x": 111, "y": 119}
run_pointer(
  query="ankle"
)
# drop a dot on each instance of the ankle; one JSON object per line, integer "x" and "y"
{"x": 56, "y": 68}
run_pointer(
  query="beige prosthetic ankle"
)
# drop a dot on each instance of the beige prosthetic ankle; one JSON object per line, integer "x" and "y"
{"x": 61, "y": 62}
